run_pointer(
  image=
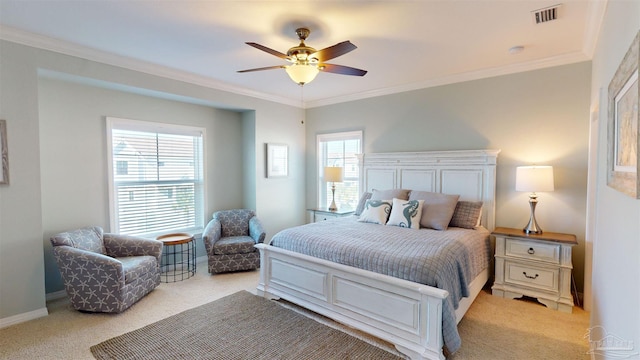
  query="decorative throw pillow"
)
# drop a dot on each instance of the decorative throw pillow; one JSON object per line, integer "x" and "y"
{"x": 390, "y": 194}
{"x": 406, "y": 213}
{"x": 363, "y": 200}
{"x": 376, "y": 211}
{"x": 437, "y": 210}
{"x": 467, "y": 214}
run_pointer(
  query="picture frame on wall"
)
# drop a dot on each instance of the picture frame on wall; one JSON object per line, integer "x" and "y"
{"x": 277, "y": 160}
{"x": 623, "y": 157}
{"x": 4, "y": 151}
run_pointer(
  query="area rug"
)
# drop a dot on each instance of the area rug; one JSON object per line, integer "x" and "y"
{"x": 239, "y": 326}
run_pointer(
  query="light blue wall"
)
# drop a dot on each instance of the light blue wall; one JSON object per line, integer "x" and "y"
{"x": 533, "y": 117}
{"x": 616, "y": 216}
{"x": 21, "y": 259}
{"x": 22, "y": 215}
{"x": 73, "y": 155}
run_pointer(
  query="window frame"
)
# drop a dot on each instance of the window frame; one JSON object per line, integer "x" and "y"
{"x": 322, "y": 192}
{"x": 200, "y": 184}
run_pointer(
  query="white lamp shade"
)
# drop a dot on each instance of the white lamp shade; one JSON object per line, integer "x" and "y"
{"x": 302, "y": 74}
{"x": 534, "y": 178}
{"x": 333, "y": 174}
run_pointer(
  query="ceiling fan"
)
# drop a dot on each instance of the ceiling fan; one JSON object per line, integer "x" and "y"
{"x": 307, "y": 62}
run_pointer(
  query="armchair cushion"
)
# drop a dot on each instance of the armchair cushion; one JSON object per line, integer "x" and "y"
{"x": 234, "y": 245}
{"x": 234, "y": 222}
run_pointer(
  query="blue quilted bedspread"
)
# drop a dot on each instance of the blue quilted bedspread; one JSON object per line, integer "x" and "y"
{"x": 448, "y": 259}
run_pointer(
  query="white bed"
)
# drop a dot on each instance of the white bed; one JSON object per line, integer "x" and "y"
{"x": 366, "y": 300}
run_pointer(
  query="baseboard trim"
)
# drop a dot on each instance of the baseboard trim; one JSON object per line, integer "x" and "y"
{"x": 55, "y": 295}
{"x": 24, "y": 317}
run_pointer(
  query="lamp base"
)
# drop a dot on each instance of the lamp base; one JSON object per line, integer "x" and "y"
{"x": 532, "y": 227}
{"x": 333, "y": 206}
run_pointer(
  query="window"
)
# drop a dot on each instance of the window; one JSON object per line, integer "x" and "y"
{"x": 122, "y": 167}
{"x": 340, "y": 149}
{"x": 156, "y": 180}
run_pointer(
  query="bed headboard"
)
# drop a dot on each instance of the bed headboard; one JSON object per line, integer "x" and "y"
{"x": 468, "y": 173}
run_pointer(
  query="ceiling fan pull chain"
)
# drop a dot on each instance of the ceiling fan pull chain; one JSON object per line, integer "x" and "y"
{"x": 304, "y": 113}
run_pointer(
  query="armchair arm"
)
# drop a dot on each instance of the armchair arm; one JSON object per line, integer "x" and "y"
{"x": 82, "y": 266}
{"x": 256, "y": 230}
{"x": 211, "y": 234}
{"x": 125, "y": 245}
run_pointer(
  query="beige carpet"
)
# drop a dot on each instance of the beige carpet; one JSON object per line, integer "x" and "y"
{"x": 68, "y": 334}
{"x": 497, "y": 328}
{"x": 494, "y": 328}
{"x": 239, "y": 326}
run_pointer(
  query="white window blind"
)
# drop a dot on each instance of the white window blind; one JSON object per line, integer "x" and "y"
{"x": 156, "y": 177}
{"x": 340, "y": 149}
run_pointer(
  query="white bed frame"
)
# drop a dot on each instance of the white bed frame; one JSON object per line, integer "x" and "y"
{"x": 404, "y": 313}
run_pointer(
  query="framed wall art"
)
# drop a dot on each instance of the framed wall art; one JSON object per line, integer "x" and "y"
{"x": 623, "y": 121}
{"x": 277, "y": 160}
{"x": 4, "y": 152}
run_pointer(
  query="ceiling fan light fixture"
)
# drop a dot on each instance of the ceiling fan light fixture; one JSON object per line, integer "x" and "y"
{"x": 302, "y": 74}
{"x": 306, "y": 62}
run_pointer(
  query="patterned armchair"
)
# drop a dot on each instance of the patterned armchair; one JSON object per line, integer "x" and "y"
{"x": 106, "y": 272}
{"x": 230, "y": 238}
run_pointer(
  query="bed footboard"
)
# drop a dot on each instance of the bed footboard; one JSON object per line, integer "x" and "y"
{"x": 406, "y": 314}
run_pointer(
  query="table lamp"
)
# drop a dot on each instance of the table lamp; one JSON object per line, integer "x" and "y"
{"x": 333, "y": 175}
{"x": 534, "y": 179}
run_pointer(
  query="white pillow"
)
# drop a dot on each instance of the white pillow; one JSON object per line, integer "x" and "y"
{"x": 406, "y": 213}
{"x": 376, "y": 211}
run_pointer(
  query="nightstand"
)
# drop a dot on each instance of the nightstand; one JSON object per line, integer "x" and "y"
{"x": 537, "y": 266}
{"x": 322, "y": 214}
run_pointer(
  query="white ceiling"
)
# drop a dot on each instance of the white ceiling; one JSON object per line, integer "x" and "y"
{"x": 404, "y": 45}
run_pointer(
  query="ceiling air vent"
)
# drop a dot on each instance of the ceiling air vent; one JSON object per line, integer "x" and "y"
{"x": 545, "y": 15}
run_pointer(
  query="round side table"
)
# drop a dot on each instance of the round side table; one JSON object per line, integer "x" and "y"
{"x": 178, "y": 257}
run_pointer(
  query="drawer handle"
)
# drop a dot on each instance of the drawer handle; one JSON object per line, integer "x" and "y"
{"x": 531, "y": 251}
{"x": 530, "y": 277}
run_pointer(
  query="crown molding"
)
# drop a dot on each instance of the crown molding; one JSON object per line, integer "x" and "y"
{"x": 596, "y": 11}
{"x": 63, "y": 47}
{"x": 595, "y": 16}
{"x": 564, "y": 59}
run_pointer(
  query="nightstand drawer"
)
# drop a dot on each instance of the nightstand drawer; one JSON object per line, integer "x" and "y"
{"x": 324, "y": 216}
{"x": 533, "y": 250}
{"x": 531, "y": 276}
{"x": 317, "y": 215}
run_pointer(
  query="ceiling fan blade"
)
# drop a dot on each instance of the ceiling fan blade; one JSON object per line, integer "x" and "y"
{"x": 334, "y": 51}
{"x": 340, "y": 69}
{"x": 262, "y": 68}
{"x": 269, "y": 50}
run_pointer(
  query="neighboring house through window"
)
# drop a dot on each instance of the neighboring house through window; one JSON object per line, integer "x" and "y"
{"x": 156, "y": 180}
{"x": 340, "y": 149}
